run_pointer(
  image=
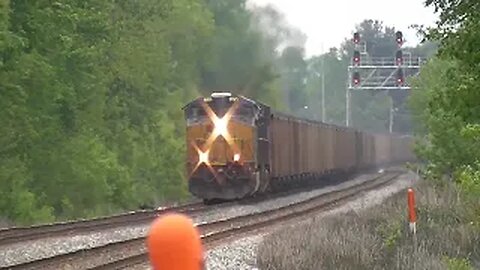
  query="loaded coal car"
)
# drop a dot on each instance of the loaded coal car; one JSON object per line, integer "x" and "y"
{"x": 238, "y": 147}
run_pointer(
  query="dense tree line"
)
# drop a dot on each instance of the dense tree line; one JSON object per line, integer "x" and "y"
{"x": 446, "y": 98}
{"x": 91, "y": 96}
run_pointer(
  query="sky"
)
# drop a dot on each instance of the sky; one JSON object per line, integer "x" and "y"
{"x": 328, "y": 22}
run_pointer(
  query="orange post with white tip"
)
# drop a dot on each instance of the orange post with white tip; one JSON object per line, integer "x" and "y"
{"x": 412, "y": 217}
{"x": 174, "y": 243}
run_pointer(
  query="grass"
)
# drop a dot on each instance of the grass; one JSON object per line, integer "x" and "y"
{"x": 379, "y": 238}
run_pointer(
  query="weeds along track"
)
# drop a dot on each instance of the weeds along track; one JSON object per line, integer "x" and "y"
{"x": 22, "y": 234}
{"x": 127, "y": 254}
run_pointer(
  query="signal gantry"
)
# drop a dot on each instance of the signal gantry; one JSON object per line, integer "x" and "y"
{"x": 369, "y": 73}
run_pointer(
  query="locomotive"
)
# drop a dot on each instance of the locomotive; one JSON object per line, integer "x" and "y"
{"x": 238, "y": 148}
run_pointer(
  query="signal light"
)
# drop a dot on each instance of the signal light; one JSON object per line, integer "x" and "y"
{"x": 356, "y": 78}
{"x": 356, "y": 57}
{"x": 399, "y": 38}
{"x": 356, "y": 37}
{"x": 400, "y": 78}
{"x": 399, "y": 57}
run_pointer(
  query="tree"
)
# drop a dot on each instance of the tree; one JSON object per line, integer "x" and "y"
{"x": 334, "y": 70}
{"x": 447, "y": 90}
{"x": 91, "y": 97}
{"x": 457, "y": 30}
{"x": 92, "y": 91}
{"x": 293, "y": 69}
{"x": 49, "y": 77}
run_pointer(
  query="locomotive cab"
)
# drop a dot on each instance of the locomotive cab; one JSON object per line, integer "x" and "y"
{"x": 222, "y": 140}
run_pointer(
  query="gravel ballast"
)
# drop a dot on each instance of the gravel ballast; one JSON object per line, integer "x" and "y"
{"x": 31, "y": 250}
{"x": 241, "y": 254}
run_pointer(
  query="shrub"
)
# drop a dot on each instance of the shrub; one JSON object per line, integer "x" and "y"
{"x": 380, "y": 239}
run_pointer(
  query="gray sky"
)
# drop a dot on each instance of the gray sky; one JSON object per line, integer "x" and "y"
{"x": 331, "y": 21}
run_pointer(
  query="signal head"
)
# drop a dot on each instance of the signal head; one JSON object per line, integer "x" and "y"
{"x": 399, "y": 37}
{"x": 356, "y": 78}
{"x": 356, "y": 37}
{"x": 400, "y": 77}
{"x": 399, "y": 57}
{"x": 356, "y": 57}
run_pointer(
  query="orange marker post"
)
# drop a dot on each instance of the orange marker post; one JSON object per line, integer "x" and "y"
{"x": 411, "y": 210}
{"x": 174, "y": 243}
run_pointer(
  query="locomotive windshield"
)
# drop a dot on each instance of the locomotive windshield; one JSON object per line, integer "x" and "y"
{"x": 244, "y": 110}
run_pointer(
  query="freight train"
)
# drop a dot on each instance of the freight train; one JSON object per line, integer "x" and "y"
{"x": 239, "y": 148}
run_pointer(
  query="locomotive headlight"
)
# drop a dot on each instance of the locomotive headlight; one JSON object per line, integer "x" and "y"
{"x": 236, "y": 157}
{"x": 221, "y": 126}
{"x": 202, "y": 157}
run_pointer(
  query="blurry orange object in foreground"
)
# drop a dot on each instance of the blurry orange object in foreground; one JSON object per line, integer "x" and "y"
{"x": 174, "y": 243}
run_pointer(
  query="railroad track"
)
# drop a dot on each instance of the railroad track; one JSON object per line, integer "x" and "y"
{"x": 21, "y": 234}
{"x": 126, "y": 254}
{"x": 78, "y": 227}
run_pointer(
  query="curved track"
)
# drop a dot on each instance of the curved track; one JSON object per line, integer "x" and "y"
{"x": 77, "y": 227}
{"x": 133, "y": 252}
{"x": 20, "y": 234}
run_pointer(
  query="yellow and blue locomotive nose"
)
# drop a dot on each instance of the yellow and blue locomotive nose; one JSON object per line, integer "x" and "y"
{"x": 221, "y": 153}
{"x": 221, "y": 172}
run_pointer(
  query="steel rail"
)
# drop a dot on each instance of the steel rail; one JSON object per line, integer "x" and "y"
{"x": 133, "y": 252}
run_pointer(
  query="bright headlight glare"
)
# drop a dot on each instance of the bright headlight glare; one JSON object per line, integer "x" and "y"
{"x": 221, "y": 126}
{"x": 203, "y": 157}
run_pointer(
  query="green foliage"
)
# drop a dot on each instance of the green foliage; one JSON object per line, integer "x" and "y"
{"x": 17, "y": 201}
{"x": 446, "y": 102}
{"x": 391, "y": 232}
{"x": 458, "y": 30}
{"x": 293, "y": 68}
{"x": 240, "y": 58}
{"x": 445, "y": 96}
{"x": 91, "y": 95}
{"x": 468, "y": 178}
{"x": 458, "y": 264}
{"x": 432, "y": 79}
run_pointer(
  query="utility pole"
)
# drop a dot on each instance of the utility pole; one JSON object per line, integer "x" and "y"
{"x": 347, "y": 109}
{"x": 323, "y": 86}
{"x": 391, "y": 116}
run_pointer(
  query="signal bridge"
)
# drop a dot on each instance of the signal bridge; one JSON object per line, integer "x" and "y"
{"x": 380, "y": 73}
{"x": 383, "y": 73}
